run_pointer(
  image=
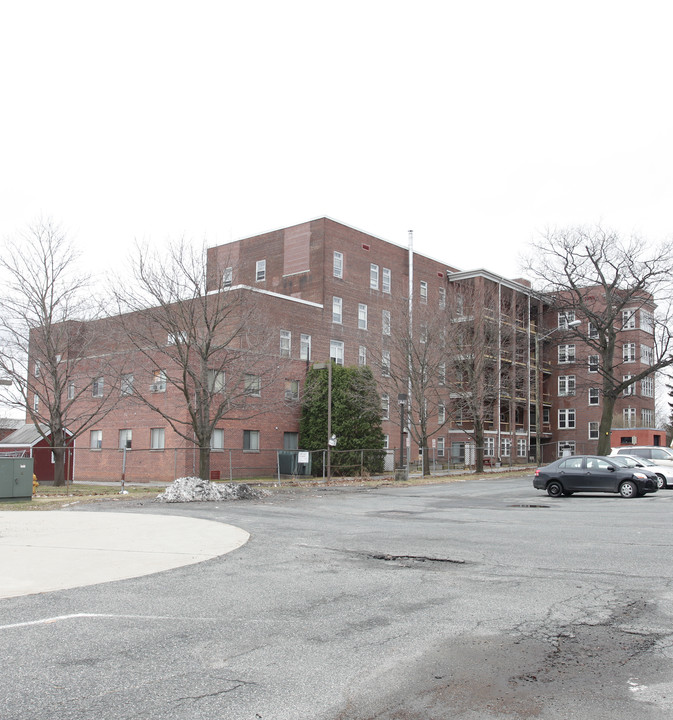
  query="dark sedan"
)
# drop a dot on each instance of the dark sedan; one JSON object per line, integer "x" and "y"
{"x": 593, "y": 473}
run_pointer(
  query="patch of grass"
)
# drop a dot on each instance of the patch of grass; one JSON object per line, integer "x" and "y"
{"x": 49, "y": 497}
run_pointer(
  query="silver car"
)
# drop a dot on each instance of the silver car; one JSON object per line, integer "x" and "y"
{"x": 664, "y": 473}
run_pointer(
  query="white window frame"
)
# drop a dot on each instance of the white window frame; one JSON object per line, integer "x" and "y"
{"x": 260, "y": 270}
{"x": 566, "y": 418}
{"x": 157, "y": 438}
{"x": 71, "y": 390}
{"x": 441, "y": 446}
{"x": 647, "y": 386}
{"x": 647, "y": 417}
{"x": 561, "y": 445}
{"x": 629, "y": 319}
{"x": 159, "y": 381}
{"x": 338, "y": 265}
{"x": 629, "y": 352}
{"x": 386, "y": 280}
{"x": 253, "y": 443}
{"x": 286, "y": 343}
{"x": 489, "y": 447}
{"x": 442, "y": 297}
{"x": 505, "y": 447}
{"x": 97, "y": 387}
{"x": 362, "y": 316}
{"x": 252, "y": 385}
{"x": 647, "y": 321}
{"x": 564, "y": 318}
{"x": 593, "y": 429}
{"x": 385, "y": 406}
{"x": 126, "y": 439}
{"x": 385, "y": 322}
{"x": 305, "y": 347}
{"x": 629, "y": 417}
{"x": 646, "y": 355}
{"x": 631, "y": 389}
{"x": 385, "y": 363}
{"x": 592, "y": 331}
{"x": 566, "y": 385}
{"x": 373, "y": 276}
{"x": 521, "y": 448}
{"x": 593, "y": 363}
{"x": 441, "y": 413}
{"x": 362, "y": 355}
{"x": 566, "y": 354}
{"x": 216, "y": 381}
{"x": 423, "y": 292}
{"x": 336, "y": 351}
{"x": 217, "y": 439}
{"x": 337, "y": 310}
{"x": 95, "y": 439}
{"x": 227, "y": 276}
{"x": 594, "y": 396}
{"x": 126, "y": 385}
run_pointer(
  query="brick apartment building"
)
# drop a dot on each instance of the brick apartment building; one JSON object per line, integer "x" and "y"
{"x": 325, "y": 290}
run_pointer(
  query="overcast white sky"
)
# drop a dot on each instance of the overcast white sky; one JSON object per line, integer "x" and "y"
{"x": 475, "y": 123}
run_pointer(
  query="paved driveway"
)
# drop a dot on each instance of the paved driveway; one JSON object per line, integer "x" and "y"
{"x": 481, "y": 599}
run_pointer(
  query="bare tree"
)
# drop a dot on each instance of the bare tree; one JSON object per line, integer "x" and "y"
{"x": 196, "y": 334}
{"x": 47, "y": 343}
{"x": 606, "y": 280}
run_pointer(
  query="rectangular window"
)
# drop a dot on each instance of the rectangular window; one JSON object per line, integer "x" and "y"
{"x": 489, "y": 447}
{"x": 260, "y": 270}
{"x": 386, "y": 279}
{"x": 157, "y": 438}
{"x": 594, "y": 396}
{"x": 36, "y": 369}
{"x": 337, "y": 306}
{"x": 362, "y": 316}
{"x": 441, "y": 413}
{"x": 628, "y": 319}
{"x": 521, "y": 448}
{"x": 440, "y": 447}
{"x": 593, "y": 331}
{"x": 593, "y": 363}
{"x": 215, "y": 381}
{"x": 158, "y": 381}
{"x": 36, "y": 403}
{"x": 362, "y": 355}
{"x": 180, "y": 337}
{"x": 97, "y": 387}
{"x": 227, "y": 277}
{"x": 505, "y": 447}
{"x": 292, "y": 390}
{"x": 217, "y": 439}
{"x": 71, "y": 390}
{"x": 385, "y": 406}
{"x": 564, "y": 318}
{"x": 566, "y": 419}
{"x": 566, "y": 385}
{"x": 647, "y": 387}
{"x": 442, "y": 297}
{"x": 251, "y": 440}
{"x": 565, "y": 446}
{"x": 566, "y": 354}
{"x": 125, "y": 439}
{"x": 629, "y": 415}
{"x": 336, "y": 351}
{"x": 424, "y": 291}
{"x": 647, "y": 418}
{"x": 338, "y": 265}
{"x": 385, "y": 363}
{"x": 630, "y": 389}
{"x": 629, "y": 352}
{"x": 126, "y": 385}
{"x": 646, "y": 355}
{"x": 374, "y": 276}
{"x": 441, "y": 373}
{"x": 546, "y": 416}
{"x": 593, "y": 430}
{"x": 646, "y": 321}
{"x": 304, "y": 347}
{"x": 285, "y": 343}
{"x": 96, "y": 439}
{"x": 253, "y": 385}
{"x": 385, "y": 322}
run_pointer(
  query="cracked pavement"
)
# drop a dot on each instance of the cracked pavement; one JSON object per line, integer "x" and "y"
{"x": 473, "y": 600}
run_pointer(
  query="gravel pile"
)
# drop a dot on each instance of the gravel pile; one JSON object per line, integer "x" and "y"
{"x": 191, "y": 489}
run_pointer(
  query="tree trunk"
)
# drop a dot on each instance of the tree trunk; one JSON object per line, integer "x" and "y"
{"x": 605, "y": 428}
{"x": 479, "y": 445}
{"x": 204, "y": 462}
{"x": 59, "y": 466}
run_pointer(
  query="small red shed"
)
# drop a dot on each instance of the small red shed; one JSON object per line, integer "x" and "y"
{"x": 27, "y": 441}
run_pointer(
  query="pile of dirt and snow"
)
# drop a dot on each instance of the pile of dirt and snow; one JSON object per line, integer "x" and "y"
{"x": 192, "y": 489}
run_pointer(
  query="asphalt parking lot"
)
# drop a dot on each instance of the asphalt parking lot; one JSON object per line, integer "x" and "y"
{"x": 477, "y": 599}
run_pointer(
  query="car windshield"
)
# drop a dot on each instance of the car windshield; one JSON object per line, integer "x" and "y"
{"x": 646, "y": 461}
{"x": 625, "y": 461}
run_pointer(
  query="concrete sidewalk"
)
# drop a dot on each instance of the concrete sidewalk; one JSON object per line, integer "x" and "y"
{"x": 44, "y": 551}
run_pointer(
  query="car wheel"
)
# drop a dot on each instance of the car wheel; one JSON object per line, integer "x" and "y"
{"x": 661, "y": 482}
{"x": 628, "y": 489}
{"x": 554, "y": 489}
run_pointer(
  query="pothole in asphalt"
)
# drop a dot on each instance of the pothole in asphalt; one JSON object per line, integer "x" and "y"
{"x": 413, "y": 558}
{"x": 529, "y": 505}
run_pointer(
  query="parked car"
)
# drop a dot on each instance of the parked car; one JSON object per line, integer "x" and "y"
{"x": 660, "y": 455}
{"x": 664, "y": 473}
{"x": 593, "y": 473}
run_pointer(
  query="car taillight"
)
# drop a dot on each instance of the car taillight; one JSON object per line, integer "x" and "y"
{"x": 537, "y": 472}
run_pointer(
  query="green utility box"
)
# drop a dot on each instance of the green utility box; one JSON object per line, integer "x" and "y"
{"x": 16, "y": 478}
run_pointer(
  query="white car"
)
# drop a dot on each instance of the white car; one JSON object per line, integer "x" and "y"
{"x": 664, "y": 473}
{"x": 660, "y": 455}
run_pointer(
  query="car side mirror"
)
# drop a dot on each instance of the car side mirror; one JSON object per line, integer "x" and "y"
{"x": 611, "y": 469}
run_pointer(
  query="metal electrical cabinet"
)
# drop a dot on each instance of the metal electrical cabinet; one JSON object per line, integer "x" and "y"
{"x": 16, "y": 478}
